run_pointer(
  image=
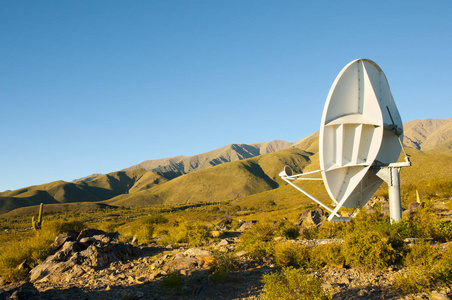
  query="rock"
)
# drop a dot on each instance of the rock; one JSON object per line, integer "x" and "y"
{"x": 326, "y": 286}
{"x": 22, "y": 291}
{"x": 92, "y": 249}
{"x": 435, "y": 295}
{"x": 412, "y": 241}
{"x": 414, "y": 206}
{"x": 370, "y": 210}
{"x": 320, "y": 211}
{"x": 311, "y": 217}
{"x": 225, "y": 221}
{"x": 223, "y": 242}
{"x": 247, "y": 225}
{"x": 344, "y": 280}
{"x": 23, "y": 265}
{"x": 60, "y": 240}
{"x": 182, "y": 263}
{"x": 384, "y": 208}
{"x": 197, "y": 252}
{"x": 89, "y": 232}
{"x": 363, "y": 292}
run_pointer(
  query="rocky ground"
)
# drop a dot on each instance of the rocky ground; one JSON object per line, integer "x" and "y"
{"x": 93, "y": 265}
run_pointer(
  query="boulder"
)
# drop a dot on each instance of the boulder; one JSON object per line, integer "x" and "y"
{"x": 311, "y": 217}
{"x": 414, "y": 206}
{"x": 183, "y": 263}
{"x": 92, "y": 249}
{"x": 247, "y": 225}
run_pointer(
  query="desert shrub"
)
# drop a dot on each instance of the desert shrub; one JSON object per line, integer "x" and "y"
{"x": 440, "y": 187}
{"x": 308, "y": 233}
{"x": 370, "y": 250}
{"x": 288, "y": 230}
{"x": 293, "y": 284}
{"x": 172, "y": 283}
{"x": 427, "y": 268}
{"x": 235, "y": 224}
{"x": 420, "y": 260}
{"x": 155, "y": 219}
{"x": 291, "y": 254}
{"x": 425, "y": 224}
{"x": 422, "y": 254}
{"x": 193, "y": 233}
{"x": 443, "y": 269}
{"x": 327, "y": 254}
{"x": 67, "y": 226}
{"x": 223, "y": 263}
{"x": 257, "y": 241}
{"x": 33, "y": 250}
{"x": 368, "y": 221}
{"x": 330, "y": 230}
{"x": 196, "y": 234}
{"x": 139, "y": 229}
{"x": 416, "y": 280}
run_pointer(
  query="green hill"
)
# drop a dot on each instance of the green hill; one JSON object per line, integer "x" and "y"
{"x": 227, "y": 181}
{"x": 101, "y": 188}
{"x": 227, "y": 174}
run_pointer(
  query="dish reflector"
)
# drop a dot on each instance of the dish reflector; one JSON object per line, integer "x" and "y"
{"x": 358, "y": 110}
{"x": 360, "y": 140}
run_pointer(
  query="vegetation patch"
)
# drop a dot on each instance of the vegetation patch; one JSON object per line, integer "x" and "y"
{"x": 291, "y": 283}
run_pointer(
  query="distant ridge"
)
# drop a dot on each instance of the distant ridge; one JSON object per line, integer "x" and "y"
{"x": 231, "y": 172}
{"x": 176, "y": 166}
{"x": 87, "y": 178}
{"x": 428, "y": 134}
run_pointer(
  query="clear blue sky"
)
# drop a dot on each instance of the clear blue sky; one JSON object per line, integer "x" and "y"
{"x": 97, "y": 86}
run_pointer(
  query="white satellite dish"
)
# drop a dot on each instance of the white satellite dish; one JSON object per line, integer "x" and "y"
{"x": 360, "y": 135}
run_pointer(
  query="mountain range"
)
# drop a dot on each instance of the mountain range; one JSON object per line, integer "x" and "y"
{"x": 231, "y": 172}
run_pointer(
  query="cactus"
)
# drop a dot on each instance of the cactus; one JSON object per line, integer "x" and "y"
{"x": 37, "y": 224}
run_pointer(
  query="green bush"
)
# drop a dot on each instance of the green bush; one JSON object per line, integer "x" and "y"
{"x": 155, "y": 219}
{"x": 422, "y": 254}
{"x": 330, "y": 230}
{"x": 34, "y": 250}
{"x": 327, "y": 254}
{"x": 292, "y": 284}
{"x": 371, "y": 250}
{"x": 291, "y": 254}
{"x": 425, "y": 224}
{"x": 193, "y": 233}
{"x": 140, "y": 229}
{"x": 223, "y": 263}
{"x": 288, "y": 230}
{"x": 257, "y": 241}
{"x": 443, "y": 269}
{"x": 422, "y": 262}
{"x": 416, "y": 280}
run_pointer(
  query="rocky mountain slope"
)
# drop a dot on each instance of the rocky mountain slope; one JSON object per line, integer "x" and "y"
{"x": 250, "y": 169}
{"x": 101, "y": 188}
{"x": 429, "y": 134}
{"x": 182, "y": 165}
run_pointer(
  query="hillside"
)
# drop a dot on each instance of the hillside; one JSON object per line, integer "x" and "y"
{"x": 179, "y": 165}
{"x": 250, "y": 169}
{"x": 227, "y": 181}
{"x": 429, "y": 134}
{"x": 101, "y": 188}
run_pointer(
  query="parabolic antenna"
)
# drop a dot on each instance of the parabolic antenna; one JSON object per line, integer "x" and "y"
{"x": 360, "y": 134}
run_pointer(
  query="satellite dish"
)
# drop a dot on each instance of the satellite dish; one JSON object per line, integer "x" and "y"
{"x": 360, "y": 133}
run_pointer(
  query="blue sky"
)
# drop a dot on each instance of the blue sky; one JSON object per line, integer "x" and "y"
{"x": 97, "y": 86}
